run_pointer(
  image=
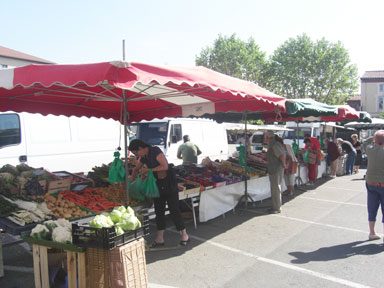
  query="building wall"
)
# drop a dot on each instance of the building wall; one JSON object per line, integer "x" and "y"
{"x": 6, "y": 62}
{"x": 372, "y": 99}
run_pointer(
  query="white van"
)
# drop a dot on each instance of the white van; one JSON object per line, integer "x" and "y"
{"x": 168, "y": 133}
{"x": 300, "y": 130}
{"x": 57, "y": 143}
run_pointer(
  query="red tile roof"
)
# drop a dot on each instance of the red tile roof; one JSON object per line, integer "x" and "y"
{"x": 10, "y": 53}
{"x": 373, "y": 74}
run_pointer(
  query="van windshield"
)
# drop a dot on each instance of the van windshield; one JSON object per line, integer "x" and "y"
{"x": 9, "y": 129}
{"x": 150, "y": 133}
{"x": 303, "y": 131}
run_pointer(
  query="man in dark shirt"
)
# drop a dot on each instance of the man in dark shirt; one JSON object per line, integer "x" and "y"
{"x": 348, "y": 148}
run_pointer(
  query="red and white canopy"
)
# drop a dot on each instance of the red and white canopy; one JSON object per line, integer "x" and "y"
{"x": 151, "y": 91}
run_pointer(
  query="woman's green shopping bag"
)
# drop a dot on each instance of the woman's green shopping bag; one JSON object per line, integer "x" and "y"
{"x": 150, "y": 188}
{"x": 116, "y": 173}
{"x": 135, "y": 189}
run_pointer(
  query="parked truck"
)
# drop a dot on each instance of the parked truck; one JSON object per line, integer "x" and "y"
{"x": 168, "y": 133}
{"x": 57, "y": 143}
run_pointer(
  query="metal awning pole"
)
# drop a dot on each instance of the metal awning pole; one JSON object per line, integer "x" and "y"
{"x": 125, "y": 120}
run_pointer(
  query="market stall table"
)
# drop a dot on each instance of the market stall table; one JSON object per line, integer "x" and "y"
{"x": 217, "y": 201}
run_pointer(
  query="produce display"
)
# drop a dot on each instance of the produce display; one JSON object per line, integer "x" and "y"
{"x": 62, "y": 208}
{"x": 58, "y": 231}
{"x": 89, "y": 198}
{"x": 6, "y": 207}
{"x": 123, "y": 219}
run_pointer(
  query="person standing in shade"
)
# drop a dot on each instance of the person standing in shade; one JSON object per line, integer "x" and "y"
{"x": 333, "y": 154}
{"x": 312, "y": 147}
{"x": 347, "y": 147}
{"x": 375, "y": 182}
{"x": 291, "y": 169}
{"x": 151, "y": 157}
{"x": 276, "y": 163}
{"x": 359, "y": 156}
{"x": 188, "y": 151}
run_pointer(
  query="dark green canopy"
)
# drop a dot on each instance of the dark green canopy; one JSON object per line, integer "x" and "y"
{"x": 309, "y": 108}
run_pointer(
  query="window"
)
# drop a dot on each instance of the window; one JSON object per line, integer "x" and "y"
{"x": 151, "y": 133}
{"x": 10, "y": 133}
{"x": 381, "y": 88}
{"x": 380, "y": 103}
{"x": 176, "y": 133}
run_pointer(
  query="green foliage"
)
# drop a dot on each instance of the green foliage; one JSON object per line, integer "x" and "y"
{"x": 299, "y": 68}
{"x": 234, "y": 57}
{"x": 321, "y": 70}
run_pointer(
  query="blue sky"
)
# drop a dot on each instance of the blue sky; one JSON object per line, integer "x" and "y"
{"x": 173, "y": 32}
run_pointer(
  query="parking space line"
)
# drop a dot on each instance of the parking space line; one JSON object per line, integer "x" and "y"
{"x": 280, "y": 264}
{"x": 331, "y": 201}
{"x": 309, "y": 222}
{"x": 341, "y": 188}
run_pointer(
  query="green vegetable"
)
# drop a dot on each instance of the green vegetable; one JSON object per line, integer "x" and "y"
{"x": 40, "y": 232}
{"x": 101, "y": 221}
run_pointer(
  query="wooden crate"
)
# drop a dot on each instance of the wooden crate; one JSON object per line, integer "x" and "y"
{"x": 124, "y": 266}
{"x": 76, "y": 263}
{"x": 59, "y": 185}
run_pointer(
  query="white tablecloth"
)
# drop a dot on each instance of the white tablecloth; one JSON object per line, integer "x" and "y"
{"x": 217, "y": 201}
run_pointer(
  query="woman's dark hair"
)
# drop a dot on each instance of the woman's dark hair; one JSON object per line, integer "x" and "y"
{"x": 307, "y": 140}
{"x": 136, "y": 144}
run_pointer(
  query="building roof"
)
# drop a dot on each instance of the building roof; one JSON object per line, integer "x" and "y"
{"x": 355, "y": 98}
{"x": 10, "y": 53}
{"x": 378, "y": 74}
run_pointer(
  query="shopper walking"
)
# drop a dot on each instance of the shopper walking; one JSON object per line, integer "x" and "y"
{"x": 151, "y": 157}
{"x": 348, "y": 149}
{"x": 276, "y": 162}
{"x": 188, "y": 151}
{"x": 333, "y": 154}
{"x": 359, "y": 156}
{"x": 375, "y": 181}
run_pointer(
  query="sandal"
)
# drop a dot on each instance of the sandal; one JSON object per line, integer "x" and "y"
{"x": 157, "y": 245}
{"x": 184, "y": 242}
{"x": 374, "y": 237}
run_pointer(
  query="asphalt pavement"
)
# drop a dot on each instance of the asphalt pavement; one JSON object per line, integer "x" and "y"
{"x": 319, "y": 240}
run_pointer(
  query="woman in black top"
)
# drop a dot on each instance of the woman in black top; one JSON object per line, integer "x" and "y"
{"x": 359, "y": 156}
{"x": 151, "y": 157}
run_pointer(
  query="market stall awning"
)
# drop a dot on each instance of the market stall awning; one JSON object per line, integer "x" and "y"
{"x": 309, "y": 108}
{"x": 344, "y": 113}
{"x": 151, "y": 91}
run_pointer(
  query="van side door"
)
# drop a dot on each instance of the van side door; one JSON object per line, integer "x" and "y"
{"x": 12, "y": 139}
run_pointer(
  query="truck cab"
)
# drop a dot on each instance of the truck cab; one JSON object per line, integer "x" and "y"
{"x": 168, "y": 134}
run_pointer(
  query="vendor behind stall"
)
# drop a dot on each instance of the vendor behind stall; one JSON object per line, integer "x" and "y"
{"x": 188, "y": 151}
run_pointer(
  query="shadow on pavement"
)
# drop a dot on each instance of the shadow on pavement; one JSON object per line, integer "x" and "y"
{"x": 337, "y": 252}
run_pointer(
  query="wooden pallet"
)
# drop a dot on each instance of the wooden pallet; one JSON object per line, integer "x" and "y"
{"x": 76, "y": 267}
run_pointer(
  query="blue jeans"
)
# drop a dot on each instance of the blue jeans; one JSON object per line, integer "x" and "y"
{"x": 375, "y": 198}
{"x": 350, "y": 162}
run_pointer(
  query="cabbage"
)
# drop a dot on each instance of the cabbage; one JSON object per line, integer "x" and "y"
{"x": 40, "y": 232}
{"x": 101, "y": 221}
{"x": 121, "y": 209}
{"x": 115, "y": 216}
{"x": 130, "y": 210}
{"x": 119, "y": 230}
{"x": 130, "y": 223}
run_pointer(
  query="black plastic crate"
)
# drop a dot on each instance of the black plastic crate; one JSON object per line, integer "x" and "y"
{"x": 105, "y": 238}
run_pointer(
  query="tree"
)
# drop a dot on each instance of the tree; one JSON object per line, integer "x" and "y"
{"x": 320, "y": 70}
{"x": 234, "y": 57}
